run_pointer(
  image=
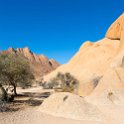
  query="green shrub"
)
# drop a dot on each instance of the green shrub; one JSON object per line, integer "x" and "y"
{"x": 3, "y": 94}
{"x": 15, "y": 71}
{"x": 64, "y": 82}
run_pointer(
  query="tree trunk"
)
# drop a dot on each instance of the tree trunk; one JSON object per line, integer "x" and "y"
{"x": 15, "y": 92}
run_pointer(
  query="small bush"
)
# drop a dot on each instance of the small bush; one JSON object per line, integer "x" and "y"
{"x": 40, "y": 82}
{"x": 111, "y": 96}
{"x": 65, "y": 82}
{"x": 3, "y": 106}
{"x": 47, "y": 85}
{"x": 3, "y": 94}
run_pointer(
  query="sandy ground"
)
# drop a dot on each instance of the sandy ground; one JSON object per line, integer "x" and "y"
{"x": 30, "y": 116}
{"x": 24, "y": 110}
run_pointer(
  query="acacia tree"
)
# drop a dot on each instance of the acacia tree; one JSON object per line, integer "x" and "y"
{"x": 14, "y": 71}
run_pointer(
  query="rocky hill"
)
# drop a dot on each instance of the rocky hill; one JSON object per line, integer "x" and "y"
{"x": 40, "y": 64}
{"x": 99, "y": 66}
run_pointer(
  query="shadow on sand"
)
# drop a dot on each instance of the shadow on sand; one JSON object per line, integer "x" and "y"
{"x": 24, "y": 100}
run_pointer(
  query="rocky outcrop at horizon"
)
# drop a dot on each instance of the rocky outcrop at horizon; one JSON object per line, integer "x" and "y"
{"x": 40, "y": 64}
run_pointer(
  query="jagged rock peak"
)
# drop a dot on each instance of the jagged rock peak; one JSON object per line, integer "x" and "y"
{"x": 39, "y": 64}
{"x": 116, "y": 30}
{"x": 42, "y": 57}
{"x": 10, "y": 49}
{"x": 54, "y": 63}
{"x": 26, "y": 49}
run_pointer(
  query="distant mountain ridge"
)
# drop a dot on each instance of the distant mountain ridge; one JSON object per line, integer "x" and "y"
{"x": 40, "y": 64}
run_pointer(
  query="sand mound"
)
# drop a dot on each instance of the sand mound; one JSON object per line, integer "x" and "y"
{"x": 70, "y": 106}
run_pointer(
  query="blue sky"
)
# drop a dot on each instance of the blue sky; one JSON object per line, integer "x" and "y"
{"x": 56, "y": 28}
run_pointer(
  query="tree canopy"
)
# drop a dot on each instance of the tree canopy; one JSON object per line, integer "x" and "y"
{"x": 14, "y": 71}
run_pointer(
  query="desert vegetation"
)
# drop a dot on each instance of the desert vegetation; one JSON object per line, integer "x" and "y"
{"x": 63, "y": 82}
{"x": 14, "y": 71}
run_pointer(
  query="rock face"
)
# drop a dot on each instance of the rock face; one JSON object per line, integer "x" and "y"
{"x": 116, "y": 30}
{"x": 89, "y": 64}
{"x": 40, "y": 64}
{"x": 110, "y": 89}
{"x": 96, "y": 63}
